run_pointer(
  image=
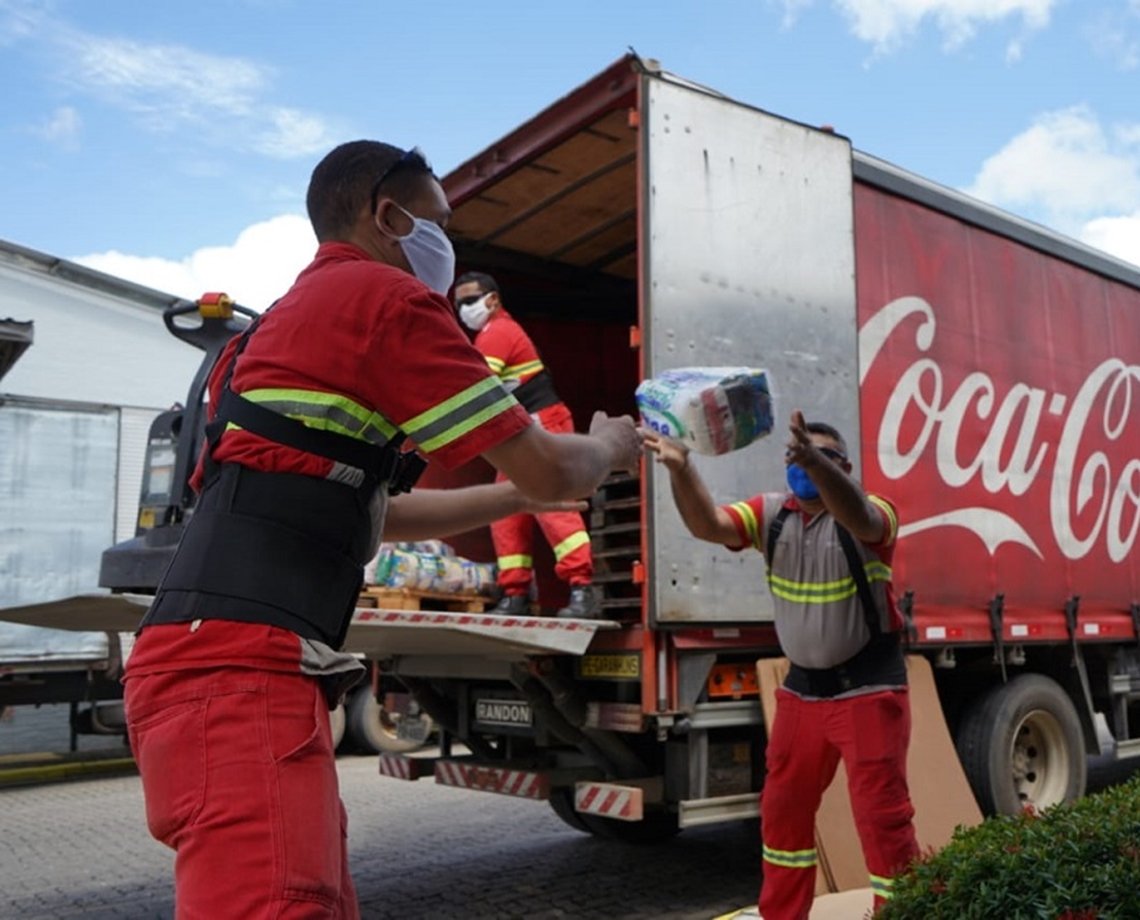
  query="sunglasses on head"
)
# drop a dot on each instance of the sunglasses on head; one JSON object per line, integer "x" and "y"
{"x": 414, "y": 157}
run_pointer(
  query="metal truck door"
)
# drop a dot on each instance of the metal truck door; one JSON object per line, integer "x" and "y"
{"x": 748, "y": 260}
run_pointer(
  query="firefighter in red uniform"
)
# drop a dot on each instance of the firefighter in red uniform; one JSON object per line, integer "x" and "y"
{"x": 238, "y": 659}
{"x": 512, "y": 356}
{"x": 828, "y": 548}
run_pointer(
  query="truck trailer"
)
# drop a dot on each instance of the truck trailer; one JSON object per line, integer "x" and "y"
{"x": 985, "y": 366}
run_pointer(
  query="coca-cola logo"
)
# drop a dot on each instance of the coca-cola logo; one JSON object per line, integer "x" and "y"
{"x": 1084, "y": 442}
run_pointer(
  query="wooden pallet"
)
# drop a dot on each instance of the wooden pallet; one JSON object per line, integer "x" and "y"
{"x": 411, "y": 599}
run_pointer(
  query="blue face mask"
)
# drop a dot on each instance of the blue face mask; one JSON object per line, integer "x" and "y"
{"x": 800, "y": 483}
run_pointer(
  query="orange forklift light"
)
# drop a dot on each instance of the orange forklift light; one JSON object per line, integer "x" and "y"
{"x": 732, "y": 681}
{"x": 216, "y": 305}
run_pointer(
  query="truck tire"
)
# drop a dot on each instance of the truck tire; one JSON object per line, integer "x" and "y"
{"x": 655, "y": 827}
{"x": 373, "y": 730}
{"x": 562, "y": 804}
{"x": 336, "y": 724}
{"x": 1021, "y": 746}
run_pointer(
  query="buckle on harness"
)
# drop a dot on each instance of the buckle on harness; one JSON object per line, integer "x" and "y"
{"x": 407, "y": 467}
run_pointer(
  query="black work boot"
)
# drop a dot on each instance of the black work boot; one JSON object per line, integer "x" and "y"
{"x": 514, "y": 605}
{"x": 585, "y": 603}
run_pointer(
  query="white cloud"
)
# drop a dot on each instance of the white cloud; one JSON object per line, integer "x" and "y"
{"x": 225, "y": 100}
{"x": 257, "y": 269}
{"x": 293, "y": 133}
{"x": 1113, "y": 35}
{"x": 886, "y": 24}
{"x": 1066, "y": 168}
{"x": 62, "y": 127}
{"x": 149, "y": 77}
{"x": 1119, "y": 236}
{"x": 1069, "y": 172}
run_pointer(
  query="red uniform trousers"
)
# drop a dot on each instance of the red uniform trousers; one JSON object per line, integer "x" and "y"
{"x": 240, "y": 780}
{"x": 513, "y": 536}
{"x": 870, "y": 733}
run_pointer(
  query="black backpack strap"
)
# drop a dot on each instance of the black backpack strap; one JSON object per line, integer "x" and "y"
{"x": 774, "y": 530}
{"x": 380, "y": 463}
{"x": 870, "y": 609}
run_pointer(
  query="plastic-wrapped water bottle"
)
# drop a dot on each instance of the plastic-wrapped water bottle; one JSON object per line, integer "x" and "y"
{"x": 711, "y": 409}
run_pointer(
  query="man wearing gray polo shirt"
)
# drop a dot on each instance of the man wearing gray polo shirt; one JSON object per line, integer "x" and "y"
{"x": 828, "y": 547}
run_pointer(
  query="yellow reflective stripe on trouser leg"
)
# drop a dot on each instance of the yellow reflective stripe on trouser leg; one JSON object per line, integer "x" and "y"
{"x": 517, "y": 561}
{"x": 791, "y": 859}
{"x": 571, "y": 543}
{"x": 882, "y": 886}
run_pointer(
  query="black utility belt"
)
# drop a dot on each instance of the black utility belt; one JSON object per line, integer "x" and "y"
{"x": 537, "y": 393}
{"x": 276, "y": 548}
{"x": 879, "y": 663}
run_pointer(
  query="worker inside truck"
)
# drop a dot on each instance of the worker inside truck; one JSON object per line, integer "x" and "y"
{"x": 239, "y": 659}
{"x": 513, "y": 358}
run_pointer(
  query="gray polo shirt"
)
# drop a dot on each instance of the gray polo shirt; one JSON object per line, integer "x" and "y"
{"x": 819, "y": 620}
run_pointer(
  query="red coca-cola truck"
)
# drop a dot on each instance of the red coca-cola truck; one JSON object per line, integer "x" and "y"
{"x": 987, "y": 368}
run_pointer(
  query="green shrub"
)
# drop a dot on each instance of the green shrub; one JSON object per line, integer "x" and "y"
{"x": 1074, "y": 862}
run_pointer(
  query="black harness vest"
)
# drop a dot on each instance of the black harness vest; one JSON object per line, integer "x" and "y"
{"x": 279, "y": 548}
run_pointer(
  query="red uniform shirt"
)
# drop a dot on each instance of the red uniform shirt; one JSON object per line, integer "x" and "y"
{"x": 508, "y": 349}
{"x": 360, "y": 329}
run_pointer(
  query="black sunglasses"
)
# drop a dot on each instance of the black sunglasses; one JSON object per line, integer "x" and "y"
{"x": 470, "y": 299}
{"x": 414, "y": 157}
{"x": 827, "y": 452}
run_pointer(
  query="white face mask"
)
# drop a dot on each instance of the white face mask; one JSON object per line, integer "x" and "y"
{"x": 475, "y": 315}
{"x": 429, "y": 253}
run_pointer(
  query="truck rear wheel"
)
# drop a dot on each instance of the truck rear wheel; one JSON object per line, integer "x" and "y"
{"x": 655, "y": 827}
{"x": 562, "y": 804}
{"x": 373, "y": 730}
{"x": 1021, "y": 746}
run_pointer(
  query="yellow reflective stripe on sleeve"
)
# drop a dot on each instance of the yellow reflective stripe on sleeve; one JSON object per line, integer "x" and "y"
{"x": 791, "y": 859}
{"x": 325, "y": 411}
{"x": 571, "y": 543}
{"x": 496, "y": 364}
{"x": 892, "y": 518}
{"x": 751, "y": 525}
{"x": 463, "y": 412}
{"x": 515, "y": 371}
{"x": 518, "y": 561}
{"x": 877, "y": 571}
{"x": 882, "y": 886}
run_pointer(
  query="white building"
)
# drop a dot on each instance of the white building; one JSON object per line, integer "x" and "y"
{"x": 79, "y": 387}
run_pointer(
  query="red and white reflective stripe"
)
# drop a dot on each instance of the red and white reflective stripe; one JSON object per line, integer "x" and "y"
{"x": 520, "y": 783}
{"x": 608, "y": 800}
{"x": 398, "y": 766}
{"x": 486, "y": 621}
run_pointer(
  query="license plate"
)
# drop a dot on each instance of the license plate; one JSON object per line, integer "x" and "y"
{"x": 503, "y": 712}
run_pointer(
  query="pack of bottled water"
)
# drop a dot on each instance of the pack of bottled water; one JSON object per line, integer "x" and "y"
{"x": 713, "y": 410}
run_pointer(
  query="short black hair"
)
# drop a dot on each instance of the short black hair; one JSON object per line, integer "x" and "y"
{"x": 346, "y": 178}
{"x": 487, "y": 284}
{"x": 828, "y": 431}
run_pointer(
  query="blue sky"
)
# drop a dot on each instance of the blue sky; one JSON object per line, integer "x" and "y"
{"x": 171, "y": 143}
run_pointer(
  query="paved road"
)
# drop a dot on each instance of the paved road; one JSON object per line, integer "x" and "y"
{"x": 79, "y": 849}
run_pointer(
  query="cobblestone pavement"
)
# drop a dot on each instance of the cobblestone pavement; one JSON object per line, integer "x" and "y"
{"x": 80, "y": 849}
